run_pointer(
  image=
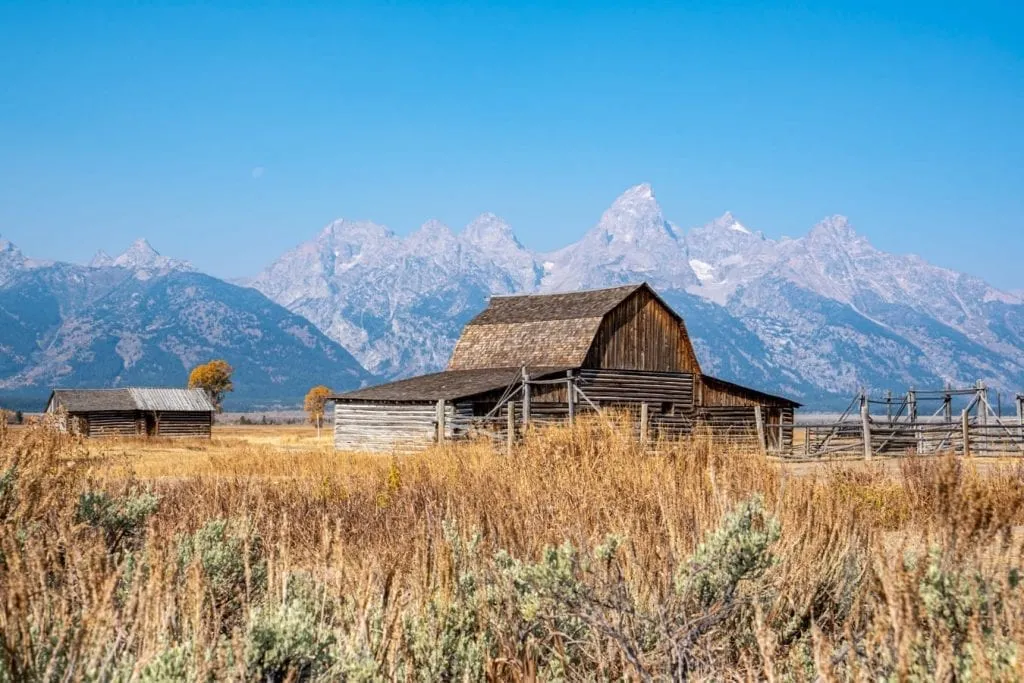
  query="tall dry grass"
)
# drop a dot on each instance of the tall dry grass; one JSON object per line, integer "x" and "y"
{"x": 580, "y": 557}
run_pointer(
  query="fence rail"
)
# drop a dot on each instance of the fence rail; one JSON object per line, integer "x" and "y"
{"x": 922, "y": 422}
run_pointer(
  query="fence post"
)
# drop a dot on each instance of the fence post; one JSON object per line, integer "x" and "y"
{"x": 865, "y": 423}
{"x": 1020, "y": 415}
{"x": 965, "y": 425}
{"x": 570, "y": 392}
{"x": 440, "y": 421}
{"x": 983, "y": 408}
{"x": 762, "y": 441}
{"x": 510, "y": 437}
{"x": 526, "y": 398}
{"x": 644, "y": 418}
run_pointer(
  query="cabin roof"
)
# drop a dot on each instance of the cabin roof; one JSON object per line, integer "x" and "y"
{"x": 132, "y": 398}
{"x": 447, "y": 385}
{"x": 721, "y": 384}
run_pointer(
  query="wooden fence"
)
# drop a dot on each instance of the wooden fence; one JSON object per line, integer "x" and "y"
{"x": 888, "y": 426}
{"x": 869, "y": 427}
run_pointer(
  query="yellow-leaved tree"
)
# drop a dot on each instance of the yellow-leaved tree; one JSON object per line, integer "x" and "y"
{"x": 316, "y": 405}
{"x": 214, "y": 378}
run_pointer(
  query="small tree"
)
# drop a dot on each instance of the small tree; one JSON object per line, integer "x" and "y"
{"x": 214, "y": 378}
{"x": 316, "y": 404}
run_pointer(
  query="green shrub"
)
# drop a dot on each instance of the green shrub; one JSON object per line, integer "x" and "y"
{"x": 220, "y": 548}
{"x": 122, "y": 520}
{"x": 289, "y": 641}
{"x": 736, "y": 550}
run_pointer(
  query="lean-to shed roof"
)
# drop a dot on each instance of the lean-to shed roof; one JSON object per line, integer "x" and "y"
{"x": 447, "y": 385}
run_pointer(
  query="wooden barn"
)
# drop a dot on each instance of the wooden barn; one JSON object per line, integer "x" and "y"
{"x": 541, "y": 358}
{"x": 186, "y": 413}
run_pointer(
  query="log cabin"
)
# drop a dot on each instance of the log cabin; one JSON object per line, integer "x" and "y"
{"x": 547, "y": 357}
{"x": 135, "y": 412}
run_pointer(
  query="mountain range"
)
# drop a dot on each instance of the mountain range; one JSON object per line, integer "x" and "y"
{"x": 144, "y": 319}
{"x": 816, "y": 317}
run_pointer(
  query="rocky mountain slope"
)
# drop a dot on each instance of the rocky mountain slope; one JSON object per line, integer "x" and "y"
{"x": 144, "y": 319}
{"x": 816, "y": 317}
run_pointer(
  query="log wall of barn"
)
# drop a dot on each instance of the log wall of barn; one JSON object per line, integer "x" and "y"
{"x": 606, "y": 387}
{"x": 184, "y": 425}
{"x": 384, "y": 427}
{"x": 641, "y": 334}
{"x": 108, "y": 423}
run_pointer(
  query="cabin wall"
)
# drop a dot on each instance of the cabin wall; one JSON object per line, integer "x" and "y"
{"x": 385, "y": 427}
{"x": 107, "y": 423}
{"x": 183, "y": 424}
{"x": 641, "y": 334}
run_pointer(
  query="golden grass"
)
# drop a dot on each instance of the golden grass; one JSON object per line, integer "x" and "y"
{"x": 894, "y": 569}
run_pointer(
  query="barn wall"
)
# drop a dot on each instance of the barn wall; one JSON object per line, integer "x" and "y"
{"x": 713, "y": 393}
{"x": 628, "y": 386}
{"x": 103, "y": 423}
{"x": 369, "y": 426}
{"x": 641, "y": 334}
{"x": 184, "y": 424}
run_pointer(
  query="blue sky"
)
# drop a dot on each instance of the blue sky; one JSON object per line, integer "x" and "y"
{"x": 119, "y": 121}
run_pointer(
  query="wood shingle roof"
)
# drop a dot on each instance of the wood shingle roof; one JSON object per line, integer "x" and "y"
{"x": 551, "y": 330}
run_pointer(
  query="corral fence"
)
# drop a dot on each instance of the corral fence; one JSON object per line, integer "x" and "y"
{"x": 957, "y": 420}
{"x": 616, "y": 397}
{"x": 920, "y": 422}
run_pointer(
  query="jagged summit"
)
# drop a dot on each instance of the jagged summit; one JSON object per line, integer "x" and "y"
{"x": 141, "y": 258}
{"x": 8, "y": 249}
{"x": 488, "y": 229}
{"x": 101, "y": 260}
{"x": 635, "y": 218}
{"x": 138, "y": 255}
{"x": 835, "y": 228}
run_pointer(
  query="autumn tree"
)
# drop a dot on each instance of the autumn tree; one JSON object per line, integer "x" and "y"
{"x": 214, "y": 378}
{"x": 316, "y": 404}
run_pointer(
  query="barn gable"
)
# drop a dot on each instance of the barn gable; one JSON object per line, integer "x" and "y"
{"x": 643, "y": 333}
{"x": 622, "y": 328}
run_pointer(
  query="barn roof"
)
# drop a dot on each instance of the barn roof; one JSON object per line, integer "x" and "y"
{"x": 447, "y": 385}
{"x": 594, "y": 303}
{"x": 544, "y": 330}
{"x": 132, "y": 398}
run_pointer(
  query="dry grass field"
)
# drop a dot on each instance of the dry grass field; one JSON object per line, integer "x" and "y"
{"x": 263, "y": 555}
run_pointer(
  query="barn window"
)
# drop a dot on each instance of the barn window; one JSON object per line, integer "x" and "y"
{"x": 667, "y": 408}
